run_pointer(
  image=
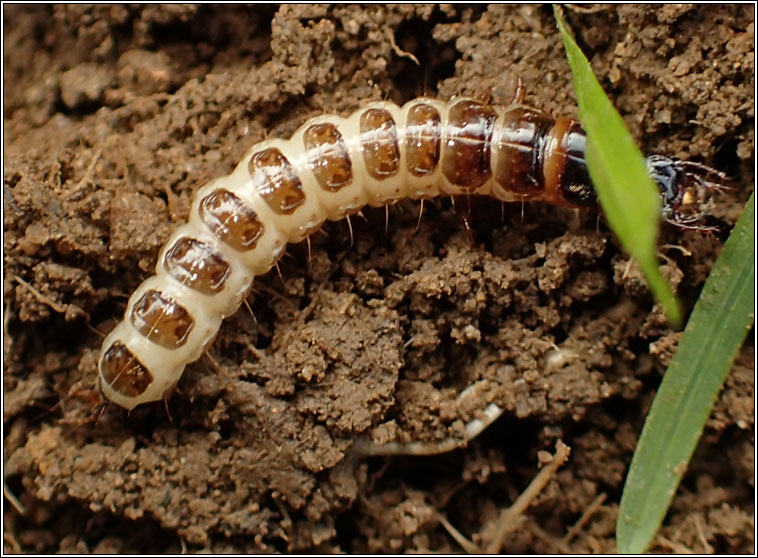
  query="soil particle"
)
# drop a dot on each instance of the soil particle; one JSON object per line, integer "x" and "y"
{"x": 145, "y": 73}
{"x": 84, "y": 84}
{"x": 115, "y": 115}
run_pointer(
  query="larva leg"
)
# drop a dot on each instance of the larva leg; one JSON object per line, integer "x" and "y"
{"x": 518, "y": 97}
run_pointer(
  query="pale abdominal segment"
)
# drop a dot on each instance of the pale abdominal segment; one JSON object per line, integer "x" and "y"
{"x": 332, "y": 167}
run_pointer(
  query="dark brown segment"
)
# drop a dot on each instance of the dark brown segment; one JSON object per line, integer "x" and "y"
{"x": 196, "y": 265}
{"x": 519, "y": 147}
{"x": 161, "y": 320}
{"x": 327, "y": 156}
{"x": 381, "y": 152}
{"x": 276, "y": 181}
{"x": 123, "y": 372}
{"x": 574, "y": 183}
{"x": 231, "y": 220}
{"x": 422, "y": 139}
{"x": 468, "y": 142}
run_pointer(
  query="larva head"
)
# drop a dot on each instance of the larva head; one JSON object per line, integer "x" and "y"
{"x": 685, "y": 190}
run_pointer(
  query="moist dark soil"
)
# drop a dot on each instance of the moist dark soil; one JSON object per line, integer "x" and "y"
{"x": 115, "y": 115}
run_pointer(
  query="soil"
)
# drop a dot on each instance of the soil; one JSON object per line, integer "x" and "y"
{"x": 115, "y": 115}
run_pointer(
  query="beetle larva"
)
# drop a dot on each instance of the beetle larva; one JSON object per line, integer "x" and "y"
{"x": 283, "y": 190}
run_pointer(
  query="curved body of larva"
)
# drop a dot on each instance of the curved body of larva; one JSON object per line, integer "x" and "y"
{"x": 283, "y": 190}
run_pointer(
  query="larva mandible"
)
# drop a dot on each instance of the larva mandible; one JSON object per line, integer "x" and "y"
{"x": 283, "y": 190}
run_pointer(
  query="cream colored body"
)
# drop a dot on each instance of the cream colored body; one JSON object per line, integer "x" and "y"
{"x": 167, "y": 365}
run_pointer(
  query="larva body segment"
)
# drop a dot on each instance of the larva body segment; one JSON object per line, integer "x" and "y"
{"x": 283, "y": 190}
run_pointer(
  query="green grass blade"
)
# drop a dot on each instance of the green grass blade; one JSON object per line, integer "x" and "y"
{"x": 715, "y": 331}
{"x": 630, "y": 199}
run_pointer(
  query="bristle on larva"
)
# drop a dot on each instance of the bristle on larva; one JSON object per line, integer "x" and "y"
{"x": 283, "y": 190}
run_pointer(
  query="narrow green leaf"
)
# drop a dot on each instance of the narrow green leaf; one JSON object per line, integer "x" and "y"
{"x": 715, "y": 331}
{"x": 629, "y": 198}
